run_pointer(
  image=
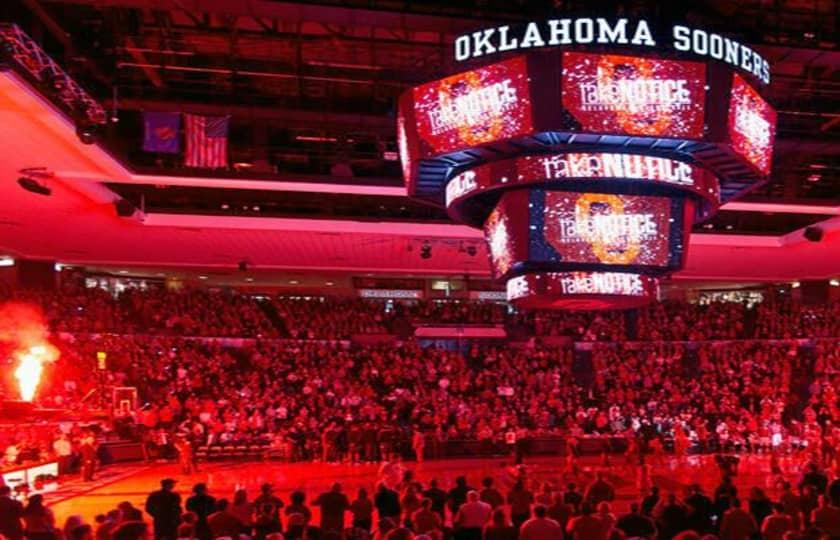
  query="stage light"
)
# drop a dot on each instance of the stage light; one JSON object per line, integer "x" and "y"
{"x": 33, "y": 186}
{"x": 87, "y": 132}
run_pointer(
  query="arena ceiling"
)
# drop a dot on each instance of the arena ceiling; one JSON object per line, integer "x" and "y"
{"x": 334, "y": 70}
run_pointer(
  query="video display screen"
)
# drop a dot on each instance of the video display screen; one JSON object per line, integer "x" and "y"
{"x": 630, "y": 95}
{"x": 475, "y": 107}
{"x": 752, "y": 125}
{"x": 506, "y": 232}
{"x": 605, "y": 229}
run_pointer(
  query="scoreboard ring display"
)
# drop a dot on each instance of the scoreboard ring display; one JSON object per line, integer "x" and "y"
{"x": 586, "y": 169}
{"x": 471, "y": 194}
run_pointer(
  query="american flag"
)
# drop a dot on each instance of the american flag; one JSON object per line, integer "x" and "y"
{"x": 206, "y": 141}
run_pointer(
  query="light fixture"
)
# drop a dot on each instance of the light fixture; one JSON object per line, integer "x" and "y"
{"x": 123, "y": 271}
{"x": 7, "y": 261}
{"x": 795, "y": 285}
{"x": 293, "y": 282}
{"x": 202, "y": 277}
{"x": 249, "y": 279}
{"x": 834, "y": 282}
{"x": 426, "y": 250}
{"x": 329, "y": 283}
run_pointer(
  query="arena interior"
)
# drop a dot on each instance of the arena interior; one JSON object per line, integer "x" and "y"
{"x": 430, "y": 270}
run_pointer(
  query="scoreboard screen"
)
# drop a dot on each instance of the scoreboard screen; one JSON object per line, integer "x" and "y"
{"x": 473, "y": 108}
{"x": 752, "y": 125}
{"x": 632, "y": 95}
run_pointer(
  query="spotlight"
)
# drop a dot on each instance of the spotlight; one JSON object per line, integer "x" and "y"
{"x": 426, "y": 251}
{"x": 87, "y": 131}
{"x": 33, "y": 186}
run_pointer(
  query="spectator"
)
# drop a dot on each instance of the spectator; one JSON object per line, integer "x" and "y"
{"x": 267, "y": 508}
{"x": 520, "y": 500}
{"x": 634, "y": 524}
{"x": 540, "y": 527}
{"x": 585, "y": 526}
{"x": 38, "y": 520}
{"x": 777, "y": 524}
{"x": 387, "y": 503}
{"x": 826, "y": 518}
{"x": 11, "y": 515}
{"x": 164, "y": 506}
{"x": 737, "y": 523}
{"x": 362, "y": 510}
{"x": 243, "y": 510}
{"x": 202, "y": 505}
{"x": 471, "y": 517}
{"x": 490, "y": 494}
{"x": 222, "y": 522}
{"x": 425, "y": 520}
{"x": 599, "y": 491}
{"x": 500, "y": 528}
{"x": 333, "y": 505}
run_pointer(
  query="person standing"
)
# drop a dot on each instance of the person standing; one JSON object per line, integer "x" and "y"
{"x": 599, "y": 491}
{"x": 333, "y": 505}
{"x": 540, "y": 527}
{"x": 387, "y": 503}
{"x": 164, "y": 505}
{"x": 222, "y": 522}
{"x": 11, "y": 513}
{"x": 520, "y": 500}
{"x": 490, "y": 494}
{"x": 362, "y": 510}
{"x": 186, "y": 455}
{"x": 267, "y": 508}
{"x": 737, "y": 523}
{"x": 418, "y": 443}
{"x": 827, "y": 518}
{"x": 64, "y": 452}
{"x": 87, "y": 453}
{"x": 471, "y": 517}
{"x": 202, "y": 505}
{"x": 776, "y": 524}
{"x": 438, "y": 498}
{"x": 39, "y": 520}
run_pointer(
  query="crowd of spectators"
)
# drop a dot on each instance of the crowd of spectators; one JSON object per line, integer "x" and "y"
{"x": 317, "y": 394}
{"x": 516, "y": 508}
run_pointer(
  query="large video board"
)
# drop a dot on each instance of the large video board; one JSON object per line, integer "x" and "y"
{"x": 631, "y": 95}
{"x": 752, "y": 125}
{"x": 473, "y": 108}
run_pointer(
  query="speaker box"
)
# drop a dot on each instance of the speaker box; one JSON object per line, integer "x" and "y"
{"x": 124, "y": 208}
{"x": 813, "y": 234}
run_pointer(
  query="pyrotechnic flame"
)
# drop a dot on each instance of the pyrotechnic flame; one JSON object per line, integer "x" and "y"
{"x": 23, "y": 326}
{"x": 28, "y": 372}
